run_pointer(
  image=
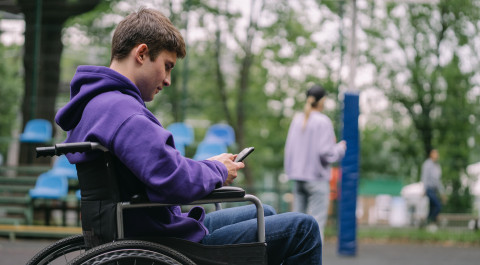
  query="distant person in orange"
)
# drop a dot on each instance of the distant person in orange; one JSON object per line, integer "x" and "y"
{"x": 432, "y": 181}
{"x": 310, "y": 149}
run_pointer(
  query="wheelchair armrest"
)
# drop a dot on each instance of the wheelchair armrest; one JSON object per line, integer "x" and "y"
{"x": 216, "y": 194}
{"x": 223, "y": 194}
{"x": 139, "y": 198}
{"x": 226, "y": 193}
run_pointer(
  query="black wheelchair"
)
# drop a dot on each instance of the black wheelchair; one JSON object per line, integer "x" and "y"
{"x": 99, "y": 184}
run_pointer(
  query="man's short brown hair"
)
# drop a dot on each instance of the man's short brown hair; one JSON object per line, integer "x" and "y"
{"x": 147, "y": 26}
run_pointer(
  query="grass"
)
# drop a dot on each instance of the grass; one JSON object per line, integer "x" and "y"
{"x": 448, "y": 236}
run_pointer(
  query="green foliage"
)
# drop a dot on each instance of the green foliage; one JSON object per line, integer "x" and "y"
{"x": 426, "y": 83}
{"x": 196, "y": 92}
{"x": 420, "y": 235}
{"x": 11, "y": 89}
{"x": 336, "y": 6}
{"x": 266, "y": 127}
{"x": 90, "y": 42}
{"x": 428, "y": 99}
{"x": 454, "y": 124}
{"x": 460, "y": 200}
{"x": 407, "y": 235}
{"x": 383, "y": 153}
{"x": 287, "y": 31}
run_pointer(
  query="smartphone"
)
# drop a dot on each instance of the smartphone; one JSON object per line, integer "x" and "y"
{"x": 245, "y": 152}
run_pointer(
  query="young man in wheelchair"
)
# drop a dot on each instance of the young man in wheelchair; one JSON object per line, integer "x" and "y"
{"x": 107, "y": 106}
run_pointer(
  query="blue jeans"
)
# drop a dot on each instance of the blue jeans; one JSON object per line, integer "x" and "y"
{"x": 435, "y": 204}
{"x": 292, "y": 238}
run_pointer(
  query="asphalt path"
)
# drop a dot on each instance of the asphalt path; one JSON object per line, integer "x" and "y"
{"x": 388, "y": 253}
{"x": 21, "y": 250}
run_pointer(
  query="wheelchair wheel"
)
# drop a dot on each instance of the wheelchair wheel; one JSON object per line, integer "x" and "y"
{"x": 60, "y": 252}
{"x": 132, "y": 252}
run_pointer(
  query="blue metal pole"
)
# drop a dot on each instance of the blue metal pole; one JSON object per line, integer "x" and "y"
{"x": 347, "y": 206}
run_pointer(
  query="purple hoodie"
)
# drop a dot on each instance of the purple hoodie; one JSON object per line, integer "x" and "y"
{"x": 106, "y": 107}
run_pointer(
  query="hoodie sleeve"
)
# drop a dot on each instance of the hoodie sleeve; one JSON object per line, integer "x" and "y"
{"x": 329, "y": 151}
{"x": 147, "y": 150}
{"x": 290, "y": 150}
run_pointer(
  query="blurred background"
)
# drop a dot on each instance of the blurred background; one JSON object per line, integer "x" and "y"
{"x": 415, "y": 65}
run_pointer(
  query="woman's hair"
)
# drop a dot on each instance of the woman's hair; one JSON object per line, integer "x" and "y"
{"x": 314, "y": 95}
{"x": 150, "y": 27}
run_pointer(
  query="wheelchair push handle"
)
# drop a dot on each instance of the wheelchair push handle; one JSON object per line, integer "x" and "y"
{"x": 65, "y": 148}
{"x": 45, "y": 151}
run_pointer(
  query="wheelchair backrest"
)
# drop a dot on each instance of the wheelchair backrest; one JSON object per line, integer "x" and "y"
{"x": 99, "y": 195}
{"x": 104, "y": 181}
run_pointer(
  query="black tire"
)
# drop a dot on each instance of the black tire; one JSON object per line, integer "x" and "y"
{"x": 60, "y": 252}
{"x": 132, "y": 252}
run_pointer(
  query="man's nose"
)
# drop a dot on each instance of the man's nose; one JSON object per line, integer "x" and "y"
{"x": 166, "y": 82}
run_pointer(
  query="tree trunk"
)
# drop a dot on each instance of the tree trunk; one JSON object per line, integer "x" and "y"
{"x": 243, "y": 88}
{"x": 44, "y": 53}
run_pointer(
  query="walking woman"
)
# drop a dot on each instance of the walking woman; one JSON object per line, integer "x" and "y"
{"x": 310, "y": 150}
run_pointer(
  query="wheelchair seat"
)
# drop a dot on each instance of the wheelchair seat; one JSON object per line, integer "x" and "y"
{"x": 104, "y": 200}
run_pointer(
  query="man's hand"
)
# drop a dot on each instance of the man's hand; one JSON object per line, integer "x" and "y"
{"x": 232, "y": 167}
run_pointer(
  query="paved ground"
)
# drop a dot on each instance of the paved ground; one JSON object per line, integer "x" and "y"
{"x": 378, "y": 253}
{"x": 18, "y": 252}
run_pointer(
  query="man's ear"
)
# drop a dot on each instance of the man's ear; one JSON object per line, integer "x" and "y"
{"x": 141, "y": 53}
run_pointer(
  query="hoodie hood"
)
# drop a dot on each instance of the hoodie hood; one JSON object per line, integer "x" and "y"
{"x": 88, "y": 82}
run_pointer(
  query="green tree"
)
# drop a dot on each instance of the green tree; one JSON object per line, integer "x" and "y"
{"x": 10, "y": 92}
{"x": 420, "y": 52}
{"x": 254, "y": 84}
{"x": 43, "y": 48}
{"x": 252, "y": 76}
{"x": 227, "y": 74}
{"x": 383, "y": 153}
{"x": 454, "y": 131}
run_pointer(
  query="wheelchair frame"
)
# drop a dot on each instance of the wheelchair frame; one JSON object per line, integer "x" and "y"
{"x": 223, "y": 194}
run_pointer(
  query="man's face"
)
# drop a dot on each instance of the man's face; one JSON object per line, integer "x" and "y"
{"x": 155, "y": 75}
